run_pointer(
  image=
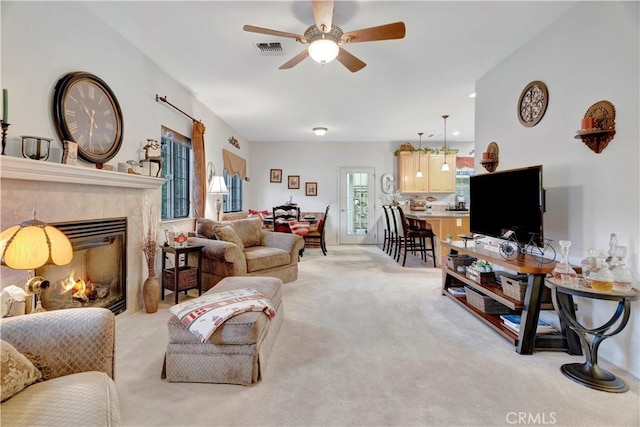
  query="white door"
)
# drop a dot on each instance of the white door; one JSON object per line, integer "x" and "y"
{"x": 357, "y": 202}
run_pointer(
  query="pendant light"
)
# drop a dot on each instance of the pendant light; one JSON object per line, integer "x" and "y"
{"x": 419, "y": 173}
{"x": 445, "y": 166}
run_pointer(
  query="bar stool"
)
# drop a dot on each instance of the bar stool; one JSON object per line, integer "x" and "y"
{"x": 414, "y": 239}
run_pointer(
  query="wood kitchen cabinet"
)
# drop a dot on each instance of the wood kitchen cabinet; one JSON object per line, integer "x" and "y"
{"x": 433, "y": 180}
{"x": 439, "y": 181}
{"x": 408, "y": 164}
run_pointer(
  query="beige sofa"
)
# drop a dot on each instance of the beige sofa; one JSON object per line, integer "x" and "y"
{"x": 73, "y": 350}
{"x": 253, "y": 251}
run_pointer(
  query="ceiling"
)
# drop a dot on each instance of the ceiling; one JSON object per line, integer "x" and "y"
{"x": 405, "y": 88}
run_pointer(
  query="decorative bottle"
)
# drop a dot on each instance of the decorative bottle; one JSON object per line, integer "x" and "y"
{"x": 601, "y": 277}
{"x": 588, "y": 263}
{"x": 622, "y": 276}
{"x": 613, "y": 244}
{"x": 563, "y": 270}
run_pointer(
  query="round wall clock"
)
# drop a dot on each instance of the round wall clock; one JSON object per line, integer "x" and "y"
{"x": 86, "y": 111}
{"x": 532, "y": 103}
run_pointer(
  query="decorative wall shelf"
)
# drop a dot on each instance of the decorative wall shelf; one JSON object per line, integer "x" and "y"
{"x": 491, "y": 164}
{"x": 604, "y": 126}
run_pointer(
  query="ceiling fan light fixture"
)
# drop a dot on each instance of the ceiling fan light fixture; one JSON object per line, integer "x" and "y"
{"x": 320, "y": 131}
{"x": 323, "y": 50}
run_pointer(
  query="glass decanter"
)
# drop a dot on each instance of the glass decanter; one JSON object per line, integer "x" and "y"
{"x": 588, "y": 263}
{"x": 563, "y": 270}
{"x": 622, "y": 276}
{"x": 613, "y": 244}
{"x": 601, "y": 277}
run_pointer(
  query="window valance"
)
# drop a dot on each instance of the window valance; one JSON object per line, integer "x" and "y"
{"x": 234, "y": 164}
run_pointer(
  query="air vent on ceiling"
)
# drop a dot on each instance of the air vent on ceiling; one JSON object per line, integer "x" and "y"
{"x": 270, "y": 49}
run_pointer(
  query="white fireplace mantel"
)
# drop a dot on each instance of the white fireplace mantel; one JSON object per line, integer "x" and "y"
{"x": 34, "y": 170}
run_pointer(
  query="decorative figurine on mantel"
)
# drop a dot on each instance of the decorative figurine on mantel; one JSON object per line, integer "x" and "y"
{"x": 153, "y": 154}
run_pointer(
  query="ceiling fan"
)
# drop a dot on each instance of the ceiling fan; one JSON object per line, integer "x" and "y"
{"x": 325, "y": 40}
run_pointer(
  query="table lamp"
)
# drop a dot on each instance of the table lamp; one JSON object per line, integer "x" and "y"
{"x": 33, "y": 244}
{"x": 217, "y": 186}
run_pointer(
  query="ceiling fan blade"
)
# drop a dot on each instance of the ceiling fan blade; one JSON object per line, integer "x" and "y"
{"x": 295, "y": 60}
{"x": 261, "y": 30}
{"x": 323, "y": 13}
{"x": 350, "y": 61}
{"x": 383, "y": 32}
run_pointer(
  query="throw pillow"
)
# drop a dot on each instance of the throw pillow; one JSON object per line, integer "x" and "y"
{"x": 249, "y": 230}
{"x": 17, "y": 371}
{"x": 300, "y": 228}
{"x": 227, "y": 233}
{"x": 205, "y": 227}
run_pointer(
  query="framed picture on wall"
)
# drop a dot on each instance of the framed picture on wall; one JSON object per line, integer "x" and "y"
{"x": 275, "y": 175}
{"x": 310, "y": 188}
{"x": 294, "y": 182}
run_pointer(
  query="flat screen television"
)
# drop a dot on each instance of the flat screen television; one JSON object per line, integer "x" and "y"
{"x": 508, "y": 200}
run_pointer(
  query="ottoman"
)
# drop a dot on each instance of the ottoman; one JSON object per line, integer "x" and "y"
{"x": 238, "y": 350}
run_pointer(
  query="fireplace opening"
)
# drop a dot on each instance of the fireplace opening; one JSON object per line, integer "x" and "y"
{"x": 96, "y": 276}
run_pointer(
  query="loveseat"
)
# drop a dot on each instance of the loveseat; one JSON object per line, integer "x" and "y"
{"x": 243, "y": 248}
{"x": 64, "y": 359}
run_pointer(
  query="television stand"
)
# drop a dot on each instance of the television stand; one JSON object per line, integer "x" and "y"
{"x": 526, "y": 340}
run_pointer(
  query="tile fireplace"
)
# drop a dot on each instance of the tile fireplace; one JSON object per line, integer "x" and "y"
{"x": 96, "y": 277}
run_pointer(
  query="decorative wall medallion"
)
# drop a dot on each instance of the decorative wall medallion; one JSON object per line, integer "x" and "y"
{"x": 533, "y": 103}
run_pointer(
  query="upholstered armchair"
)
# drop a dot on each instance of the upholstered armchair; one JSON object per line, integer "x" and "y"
{"x": 73, "y": 350}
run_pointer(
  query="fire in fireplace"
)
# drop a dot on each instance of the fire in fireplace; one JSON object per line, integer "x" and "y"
{"x": 96, "y": 277}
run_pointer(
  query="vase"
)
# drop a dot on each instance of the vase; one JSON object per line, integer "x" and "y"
{"x": 563, "y": 270}
{"x": 151, "y": 294}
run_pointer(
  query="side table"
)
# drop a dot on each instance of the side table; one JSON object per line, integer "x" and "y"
{"x": 185, "y": 277}
{"x": 589, "y": 373}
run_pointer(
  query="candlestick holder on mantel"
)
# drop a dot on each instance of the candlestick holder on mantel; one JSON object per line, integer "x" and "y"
{"x": 5, "y": 126}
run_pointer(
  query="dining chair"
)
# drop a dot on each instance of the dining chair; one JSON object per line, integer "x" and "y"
{"x": 316, "y": 237}
{"x": 282, "y": 215}
{"x": 386, "y": 242}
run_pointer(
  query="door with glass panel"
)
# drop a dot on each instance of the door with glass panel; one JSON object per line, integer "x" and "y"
{"x": 357, "y": 192}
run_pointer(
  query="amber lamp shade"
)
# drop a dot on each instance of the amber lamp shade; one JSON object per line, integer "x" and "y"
{"x": 32, "y": 244}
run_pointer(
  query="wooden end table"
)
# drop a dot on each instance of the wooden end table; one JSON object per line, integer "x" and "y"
{"x": 185, "y": 277}
{"x": 589, "y": 374}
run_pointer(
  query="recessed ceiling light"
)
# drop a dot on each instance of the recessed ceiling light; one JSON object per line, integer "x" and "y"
{"x": 456, "y": 132}
{"x": 473, "y": 95}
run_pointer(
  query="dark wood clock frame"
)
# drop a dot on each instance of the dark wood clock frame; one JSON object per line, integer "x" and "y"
{"x": 63, "y": 127}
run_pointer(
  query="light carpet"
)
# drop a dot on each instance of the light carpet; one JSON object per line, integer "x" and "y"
{"x": 366, "y": 342}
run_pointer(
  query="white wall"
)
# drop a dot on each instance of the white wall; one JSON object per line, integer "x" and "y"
{"x": 589, "y": 54}
{"x": 318, "y": 162}
{"x": 42, "y": 41}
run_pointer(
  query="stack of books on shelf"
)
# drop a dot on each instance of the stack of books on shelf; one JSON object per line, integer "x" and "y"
{"x": 512, "y": 321}
{"x": 457, "y": 291}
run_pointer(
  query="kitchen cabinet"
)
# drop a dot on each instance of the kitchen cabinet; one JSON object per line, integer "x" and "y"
{"x": 408, "y": 164}
{"x": 439, "y": 181}
{"x": 433, "y": 180}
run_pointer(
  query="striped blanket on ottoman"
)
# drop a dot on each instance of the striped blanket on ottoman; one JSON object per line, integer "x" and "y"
{"x": 206, "y": 313}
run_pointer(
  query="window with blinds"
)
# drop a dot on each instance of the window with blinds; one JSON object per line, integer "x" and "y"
{"x": 178, "y": 160}
{"x": 232, "y": 202}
